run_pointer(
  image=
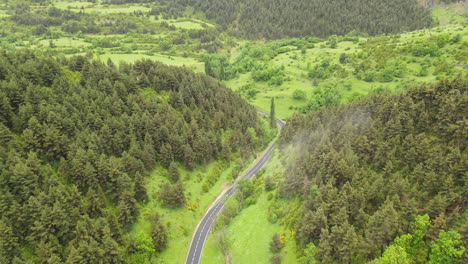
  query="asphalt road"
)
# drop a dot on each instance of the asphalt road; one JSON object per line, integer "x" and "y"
{"x": 201, "y": 233}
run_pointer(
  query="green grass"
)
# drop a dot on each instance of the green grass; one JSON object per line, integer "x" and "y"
{"x": 253, "y": 248}
{"x": 3, "y": 13}
{"x": 65, "y": 42}
{"x": 249, "y": 234}
{"x": 187, "y": 25}
{"x": 296, "y": 67}
{"x": 71, "y": 4}
{"x": 452, "y": 14}
{"x": 181, "y": 222}
{"x": 170, "y": 60}
{"x": 212, "y": 253}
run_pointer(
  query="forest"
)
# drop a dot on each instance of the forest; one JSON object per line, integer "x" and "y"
{"x": 123, "y": 121}
{"x": 382, "y": 179}
{"x": 273, "y": 19}
{"x": 78, "y": 139}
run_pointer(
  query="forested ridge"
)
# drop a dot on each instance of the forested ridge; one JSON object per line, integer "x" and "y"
{"x": 382, "y": 179}
{"x": 78, "y": 138}
{"x": 274, "y": 19}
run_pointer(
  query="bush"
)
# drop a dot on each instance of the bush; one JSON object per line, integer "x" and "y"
{"x": 269, "y": 184}
{"x": 424, "y": 71}
{"x": 276, "y": 80}
{"x": 231, "y": 210}
{"x": 172, "y": 195}
{"x": 276, "y": 259}
{"x": 249, "y": 91}
{"x": 299, "y": 95}
{"x": 276, "y": 245}
{"x": 264, "y": 73}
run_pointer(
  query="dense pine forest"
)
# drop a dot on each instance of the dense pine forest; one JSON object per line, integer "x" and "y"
{"x": 383, "y": 178}
{"x": 274, "y": 19}
{"x": 78, "y": 138}
{"x": 129, "y": 131}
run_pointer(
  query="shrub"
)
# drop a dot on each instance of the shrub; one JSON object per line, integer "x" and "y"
{"x": 276, "y": 259}
{"x": 276, "y": 244}
{"x": 172, "y": 195}
{"x": 299, "y": 95}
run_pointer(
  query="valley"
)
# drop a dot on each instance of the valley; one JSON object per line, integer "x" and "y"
{"x": 128, "y": 129}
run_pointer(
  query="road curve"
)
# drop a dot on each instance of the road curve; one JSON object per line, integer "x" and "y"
{"x": 204, "y": 226}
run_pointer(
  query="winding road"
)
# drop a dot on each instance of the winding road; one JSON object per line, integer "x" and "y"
{"x": 201, "y": 232}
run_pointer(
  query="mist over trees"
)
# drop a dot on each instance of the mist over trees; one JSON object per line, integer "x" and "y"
{"x": 369, "y": 171}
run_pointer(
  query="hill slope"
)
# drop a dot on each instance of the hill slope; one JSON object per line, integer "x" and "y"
{"x": 78, "y": 137}
{"x": 280, "y": 18}
{"x": 366, "y": 170}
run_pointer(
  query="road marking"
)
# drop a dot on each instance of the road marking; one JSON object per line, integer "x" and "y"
{"x": 203, "y": 228}
{"x": 219, "y": 201}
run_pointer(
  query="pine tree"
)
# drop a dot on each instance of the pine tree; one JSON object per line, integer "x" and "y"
{"x": 140, "y": 189}
{"x": 188, "y": 157}
{"x": 172, "y": 195}
{"x": 8, "y": 242}
{"x": 158, "y": 233}
{"x": 173, "y": 172}
{"x": 272, "y": 113}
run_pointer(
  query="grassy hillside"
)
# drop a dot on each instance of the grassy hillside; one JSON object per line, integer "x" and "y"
{"x": 304, "y": 74}
{"x": 350, "y": 66}
{"x": 272, "y": 213}
{"x": 122, "y": 32}
{"x": 366, "y": 182}
{"x": 142, "y": 128}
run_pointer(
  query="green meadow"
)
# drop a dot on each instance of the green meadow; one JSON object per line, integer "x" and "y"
{"x": 306, "y": 74}
{"x": 169, "y": 60}
{"x": 249, "y": 234}
{"x": 181, "y": 222}
{"x": 297, "y": 62}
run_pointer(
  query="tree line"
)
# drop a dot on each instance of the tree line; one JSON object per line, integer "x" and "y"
{"x": 273, "y": 19}
{"x": 78, "y": 138}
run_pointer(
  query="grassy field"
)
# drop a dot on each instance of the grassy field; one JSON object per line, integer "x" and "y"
{"x": 296, "y": 64}
{"x": 72, "y": 4}
{"x": 190, "y": 24}
{"x": 154, "y": 37}
{"x": 249, "y": 234}
{"x": 116, "y": 9}
{"x": 66, "y": 43}
{"x": 181, "y": 222}
{"x": 170, "y": 60}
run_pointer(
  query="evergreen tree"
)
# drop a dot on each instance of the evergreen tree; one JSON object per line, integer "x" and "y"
{"x": 173, "y": 172}
{"x": 272, "y": 113}
{"x": 99, "y": 134}
{"x": 158, "y": 233}
{"x": 172, "y": 195}
{"x": 9, "y": 244}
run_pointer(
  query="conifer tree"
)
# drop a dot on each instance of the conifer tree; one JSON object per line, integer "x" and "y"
{"x": 272, "y": 113}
